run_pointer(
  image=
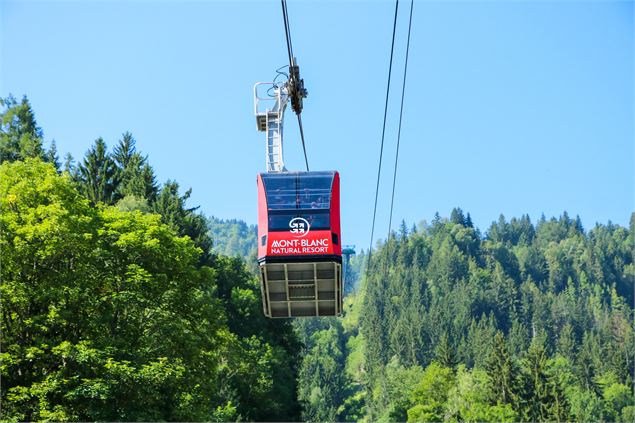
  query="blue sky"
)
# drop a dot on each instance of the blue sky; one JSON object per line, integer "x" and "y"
{"x": 511, "y": 107}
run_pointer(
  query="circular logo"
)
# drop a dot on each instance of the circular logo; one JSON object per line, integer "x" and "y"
{"x": 299, "y": 227}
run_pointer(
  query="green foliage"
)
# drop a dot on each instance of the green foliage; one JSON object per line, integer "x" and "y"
{"x": 537, "y": 389}
{"x": 114, "y": 313}
{"x": 393, "y": 391}
{"x": 98, "y": 174}
{"x": 471, "y": 399}
{"x": 617, "y": 397}
{"x": 108, "y": 315}
{"x": 233, "y": 237}
{"x": 20, "y": 137}
{"x": 132, "y": 202}
{"x": 536, "y": 317}
{"x": 323, "y": 377}
{"x": 430, "y": 395}
{"x": 135, "y": 177}
{"x": 172, "y": 208}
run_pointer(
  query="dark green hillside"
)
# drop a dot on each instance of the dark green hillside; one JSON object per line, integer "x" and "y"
{"x": 233, "y": 237}
{"x": 525, "y": 323}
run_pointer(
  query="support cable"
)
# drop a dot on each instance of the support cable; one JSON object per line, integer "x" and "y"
{"x": 403, "y": 91}
{"x": 383, "y": 133}
{"x": 287, "y": 31}
{"x": 295, "y": 83}
{"x": 302, "y": 138}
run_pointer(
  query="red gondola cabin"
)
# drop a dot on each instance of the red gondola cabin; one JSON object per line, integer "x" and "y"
{"x": 299, "y": 249}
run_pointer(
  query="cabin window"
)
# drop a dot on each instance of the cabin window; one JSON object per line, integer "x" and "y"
{"x": 298, "y": 191}
{"x": 318, "y": 219}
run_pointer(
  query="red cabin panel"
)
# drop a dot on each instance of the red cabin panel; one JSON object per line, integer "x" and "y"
{"x": 299, "y": 243}
{"x": 299, "y": 216}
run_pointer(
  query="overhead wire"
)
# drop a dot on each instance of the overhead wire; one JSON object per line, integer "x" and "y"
{"x": 403, "y": 92}
{"x": 306, "y": 160}
{"x": 383, "y": 134}
{"x": 287, "y": 31}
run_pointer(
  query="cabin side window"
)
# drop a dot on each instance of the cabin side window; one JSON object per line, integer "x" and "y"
{"x": 280, "y": 220}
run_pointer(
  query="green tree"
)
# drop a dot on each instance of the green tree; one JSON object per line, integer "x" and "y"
{"x": 393, "y": 391}
{"x": 617, "y": 397}
{"x": 502, "y": 371}
{"x": 97, "y": 174}
{"x": 536, "y": 388}
{"x": 20, "y": 137}
{"x": 430, "y": 395}
{"x": 108, "y": 315}
{"x": 134, "y": 175}
{"x": 470, "y": 399}
{"x": 233, "y": 237}
{"x": 322, "y": 377}
{"x": 172, "y": 208}
{"x": 444, "y": 353}
{"x": 586, "y": 406}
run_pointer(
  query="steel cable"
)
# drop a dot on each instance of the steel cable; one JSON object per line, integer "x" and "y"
{"x": 383, "y": 134}
{"x": 403, "y": 91}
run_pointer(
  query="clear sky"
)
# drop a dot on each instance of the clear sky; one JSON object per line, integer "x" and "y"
{"x": 511, "y": 107}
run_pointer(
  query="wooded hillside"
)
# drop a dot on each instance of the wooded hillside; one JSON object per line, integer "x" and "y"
{"x": 120, "y": 303}
{"x": 524, "y": 323}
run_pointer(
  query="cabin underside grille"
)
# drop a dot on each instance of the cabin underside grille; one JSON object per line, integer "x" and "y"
{"x": 301, "y": 289}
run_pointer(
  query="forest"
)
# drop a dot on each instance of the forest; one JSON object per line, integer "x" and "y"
{"x": 122, "y": 302}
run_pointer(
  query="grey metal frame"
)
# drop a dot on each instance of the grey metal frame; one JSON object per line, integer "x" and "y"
{"x": 302, "y": 289}
{"x": 269, "y": 113}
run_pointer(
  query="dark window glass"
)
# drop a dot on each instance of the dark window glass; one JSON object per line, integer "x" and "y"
{"x": 280, "y": 220}
{"x": 281, "y": 192}
{"x": 315, "y": 190}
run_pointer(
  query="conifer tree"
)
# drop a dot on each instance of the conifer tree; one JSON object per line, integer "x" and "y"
{"x": 502, "y": 371}
{"x": 136, "y": 177}
{"x": 20, "y": 137}
{"x": 69, "y": 164}
{"x": 444, "y": 353}
{"x": 52, "y": 157}
{"x": 536, "y": 388}
{"x": 468, "y": 221}
{"x": 171, "y": 206}
{"x": 457, "y": 216}
{"x": 98, "y": 174}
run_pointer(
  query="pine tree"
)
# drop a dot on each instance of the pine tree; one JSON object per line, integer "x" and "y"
{"x": 537, "y": 391}
{"x": 69, "y": 165}
{"x": 52, "y": 157}
{"x": 468, "y": 221}
{"x": 20, "y": 137}
{"x": 457, "y": 216}
{"x": 124, "y": 151}
{"x": 98, "y": 174}
{"x": 403, "y": 231}
{"x": 502, "y": 371}
{"x": 149, "y": 183}
{"x": 136, "y": 177}
{"x": 171, "y": 206}
{"x": 566, "y": 342}
{"x": 444, "y": 353}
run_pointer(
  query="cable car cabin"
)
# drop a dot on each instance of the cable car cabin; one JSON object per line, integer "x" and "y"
{"x": 299, "y": 249}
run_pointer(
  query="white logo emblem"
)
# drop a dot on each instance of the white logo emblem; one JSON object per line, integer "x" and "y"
{"x": 299, "y": 227}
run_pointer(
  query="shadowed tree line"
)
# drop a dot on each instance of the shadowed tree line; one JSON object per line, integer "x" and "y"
{"x": 115, "y": 307}
{"x": 524, "y": 323}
